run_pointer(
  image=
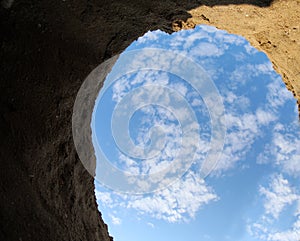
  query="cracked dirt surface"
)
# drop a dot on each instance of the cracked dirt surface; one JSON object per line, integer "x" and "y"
{"x": 47, "y": 48}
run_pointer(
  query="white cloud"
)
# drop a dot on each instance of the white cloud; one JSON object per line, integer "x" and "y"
{"x": 231, "y": 39}
{"x": 179, "y": 202}
{"x": 244, "y": 74}
{"x": 250, "y": 49}
{"x": 242, "y": 131}
{"x": 245, "y": 125}
{"x": 150, "y": 225}
{"x": 191, "y": 38}
{"x": 167, "y": 152}
{"x": 115, "y": 220}
{"x": 103, "y": 197}
{"x": 181, "y": 88}
{"x": 183, "y": 199}
{"x": 277, "y": 94}
{"x": 276, "y": 198}
{"x": 265, "y": 117}
{"x": 120, "y": 88}
{"x": 283, "y": 149}
{"x": 151, "y": 36}
{"x": 290, "y": 235}
{"x": 207, "y": 50}
{"x": 129, "y": 164}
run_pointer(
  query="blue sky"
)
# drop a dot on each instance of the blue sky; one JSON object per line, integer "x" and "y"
{"x": 252, "y": 194}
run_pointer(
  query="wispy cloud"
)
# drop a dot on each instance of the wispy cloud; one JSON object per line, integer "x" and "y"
{"x": 115, "y": 220}
{"x": 283, "y": 150}
{"x": 151, "y": 225}
{"x": 178, "y": 202}
{"x": 246, "y": 118}
{"x": 277, "y": 95}
{"x": 276, "y": 198}
{"x": 103, "y": 197}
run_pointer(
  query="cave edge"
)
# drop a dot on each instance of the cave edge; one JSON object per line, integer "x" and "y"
{"x": 49, "y": 47}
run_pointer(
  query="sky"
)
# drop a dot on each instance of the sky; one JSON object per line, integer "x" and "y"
{"x": 197, "y": 138}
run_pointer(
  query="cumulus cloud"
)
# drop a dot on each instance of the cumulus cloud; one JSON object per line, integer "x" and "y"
{"x": 283, "y": 150}
{"x": 246, "y": 122}
{"x": 178, "y": 202}
{"x": 207, "y": 50}
{"x": 243, "y": 130}
{"x": 276, "y": 198}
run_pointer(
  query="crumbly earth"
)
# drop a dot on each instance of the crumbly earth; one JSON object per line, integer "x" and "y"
{"x": 47, "y": 48}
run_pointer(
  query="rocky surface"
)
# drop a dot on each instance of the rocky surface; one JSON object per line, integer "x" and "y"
{"x": 47, "y": 50}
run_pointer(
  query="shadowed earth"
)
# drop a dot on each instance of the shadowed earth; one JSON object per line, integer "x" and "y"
{"x": 47, "y": 50}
